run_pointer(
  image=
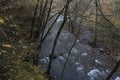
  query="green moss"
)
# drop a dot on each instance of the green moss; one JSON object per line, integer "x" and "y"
{"x": 25, "y": 71}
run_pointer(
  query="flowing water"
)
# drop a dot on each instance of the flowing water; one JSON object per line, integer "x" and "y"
{"x": 84, "y": 62}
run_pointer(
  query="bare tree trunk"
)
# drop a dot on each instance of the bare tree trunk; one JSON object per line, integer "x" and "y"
{"x": 114, "y": 70}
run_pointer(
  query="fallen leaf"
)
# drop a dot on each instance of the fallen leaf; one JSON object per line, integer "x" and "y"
{"x": 13, "y": 52}
{"x": 7, "y": 45}
{"x": 3, "y": 51}
{"x": 1, "y": 21}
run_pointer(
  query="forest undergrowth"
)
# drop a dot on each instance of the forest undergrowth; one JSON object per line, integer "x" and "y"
{"x": 17, "y": 52}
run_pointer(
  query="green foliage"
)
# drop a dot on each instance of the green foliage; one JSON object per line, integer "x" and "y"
{"x": 17, "y": 69}
{"x": 117, "y": 3}
{"x": 116, "y": 21}
{"x": 25, "y": 3}
{"x": 25, "y": 71}
{"x": 14, "y": 50}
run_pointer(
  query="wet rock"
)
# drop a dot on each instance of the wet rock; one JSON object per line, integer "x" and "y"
{"x": 117, "y": 78}
{"x": 86, "y": 36}
{"x": 101, "y": 50}
{"x": 95, "y": 73}
{"x": 98, "y": 62}
{"x": 84, "y": 54}
{"x": 84, "y": 62}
